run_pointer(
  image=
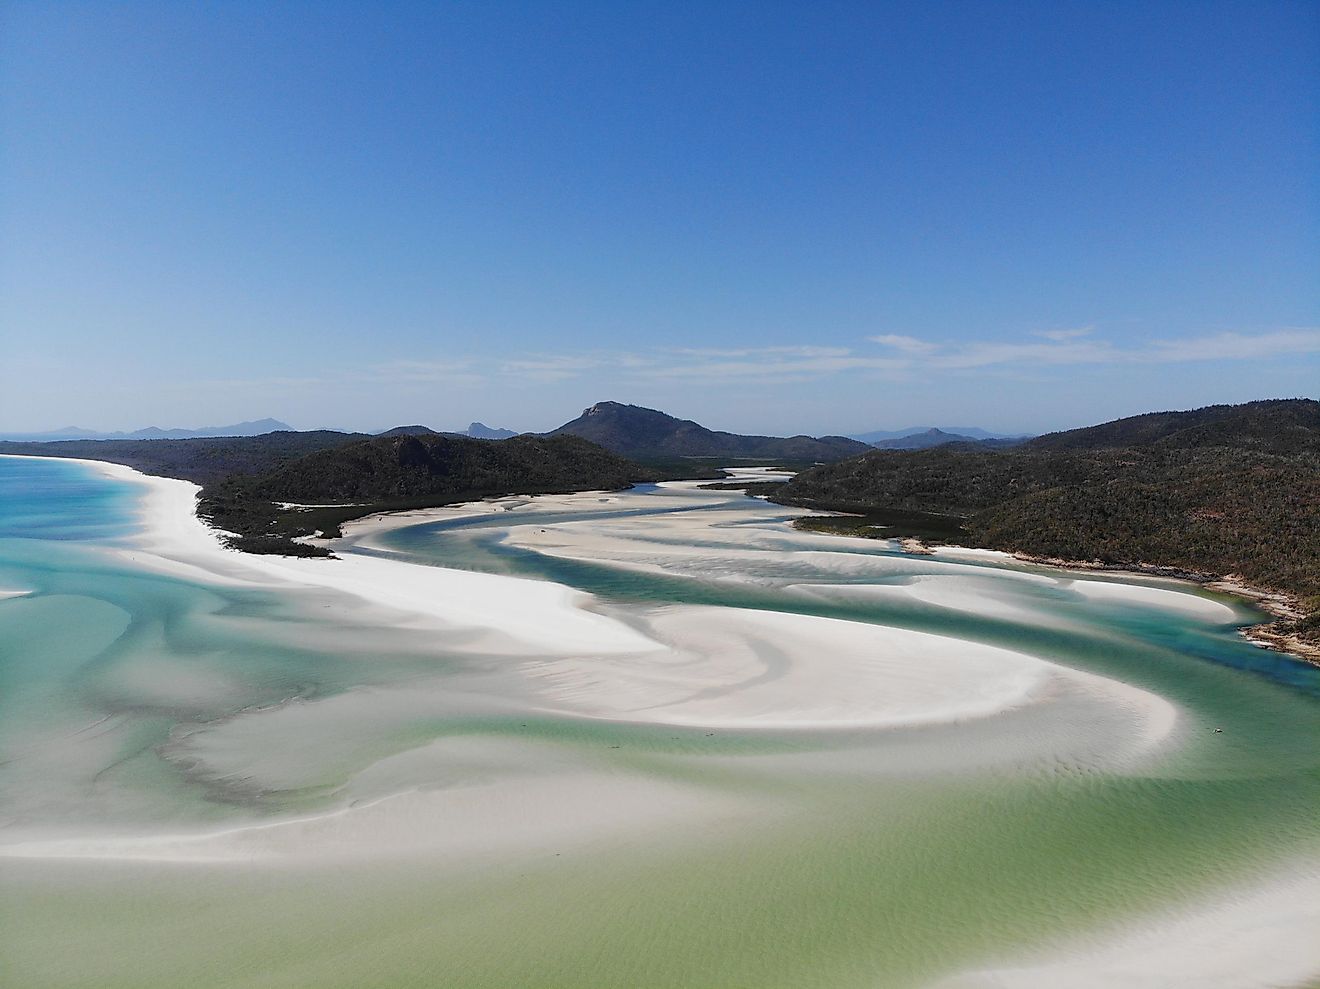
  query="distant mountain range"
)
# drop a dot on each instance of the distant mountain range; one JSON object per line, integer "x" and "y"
{"x": 476, "y": 431}
{"x": 255, "y": 428}
{"x": 879, "y": 437}
{"x": 647, "y": 434}
{"x": 938, "y": 437}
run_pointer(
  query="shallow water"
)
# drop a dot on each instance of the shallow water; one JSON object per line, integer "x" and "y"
{"x": 576, "y": 850}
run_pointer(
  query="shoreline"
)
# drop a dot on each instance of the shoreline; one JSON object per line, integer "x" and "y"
{"x": 1275, "y": 635}
{"x": 1283, "y": 606}
{"x": 197, "y": 534}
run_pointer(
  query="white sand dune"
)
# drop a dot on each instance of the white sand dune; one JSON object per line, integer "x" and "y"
{"x": 987, "y": 596}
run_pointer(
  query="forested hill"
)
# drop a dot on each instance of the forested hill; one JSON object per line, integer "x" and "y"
{"x": 1223, "y": 490}
{"x": 648, "y": 434}
{"x": 389, "y": 473}
{"x": 1284, "y": 426}
{"x": 202, "y": 460}
{"x": 403, "y": 467}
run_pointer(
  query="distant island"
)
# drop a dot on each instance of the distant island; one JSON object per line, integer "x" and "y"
{"x": 476, "y": 430}
{"x": 938, "y": 437}
{"x": 880, "y": 437}
{"x": 254, "y": 428}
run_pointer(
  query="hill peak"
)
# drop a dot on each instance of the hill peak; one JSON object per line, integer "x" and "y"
{"x": 636, "y": 431}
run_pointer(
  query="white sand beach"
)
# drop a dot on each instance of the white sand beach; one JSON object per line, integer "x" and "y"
{"x": 687, "y": 666}
{"x": 930, "y": 705}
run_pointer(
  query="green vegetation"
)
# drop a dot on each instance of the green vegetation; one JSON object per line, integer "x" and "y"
{"x": 392, "y": 473}
{"x": 1218, "y": 491}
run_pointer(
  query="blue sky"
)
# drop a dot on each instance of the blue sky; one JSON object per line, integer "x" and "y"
{"x": 820, "y": 217}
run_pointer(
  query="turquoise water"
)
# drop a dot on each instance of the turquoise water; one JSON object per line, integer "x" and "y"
{"x": 478, "y": 544}
{"x": 136, "y": 701}
{"x": 53, "y": 499}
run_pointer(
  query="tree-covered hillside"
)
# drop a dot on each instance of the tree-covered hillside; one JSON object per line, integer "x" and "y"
{"x": 398, "y": 472}
{"x": 1285, "y": 426}
{"x": 646, "y": 434}
{"x": 1224, "y": 490}
{"x": 396, "y": 467}
{"x": 202, "y": 460}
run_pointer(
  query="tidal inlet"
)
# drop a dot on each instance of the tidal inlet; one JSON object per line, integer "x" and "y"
{"x": 650, "y": 738}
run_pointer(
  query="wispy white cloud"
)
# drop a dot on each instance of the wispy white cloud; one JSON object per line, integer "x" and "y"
{"x": 771, "y": 366}
{"x": 402, "y": 371}
{"x": 1064, "y": 352}
{"x": 905, "y": 344}
{"x": 1050, "y": 348}
{"x": 796, "y": 351}
{"x": 1237, "y": 346}
{"x": 552, "y": 367}
{"x": 1061, "y": 335}
{"x": 777, "y": 363}
{"x": 898, "y": 356}
{"x": 1080, "y": 347}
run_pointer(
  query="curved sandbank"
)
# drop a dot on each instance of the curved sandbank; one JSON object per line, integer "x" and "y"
{"x": 741, "y": 668}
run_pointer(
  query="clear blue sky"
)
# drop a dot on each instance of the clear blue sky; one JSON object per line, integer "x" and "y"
{"x": 778, "y": 217}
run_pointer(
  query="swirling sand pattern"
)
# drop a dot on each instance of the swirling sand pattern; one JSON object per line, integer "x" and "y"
{"x": 655, "y": 738}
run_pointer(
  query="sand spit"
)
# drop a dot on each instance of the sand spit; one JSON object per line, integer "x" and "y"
{"x": 1182, "y": 602}
{"x": 740, "y": 668}
{"x": 516, "y": 613}
{"x": 972, "y": 594}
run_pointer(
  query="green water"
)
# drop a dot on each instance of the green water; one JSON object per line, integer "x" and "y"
{"x": 134, "y": 702}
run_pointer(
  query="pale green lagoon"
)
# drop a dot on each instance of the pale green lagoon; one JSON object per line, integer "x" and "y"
{"x": 212, "y": 777}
